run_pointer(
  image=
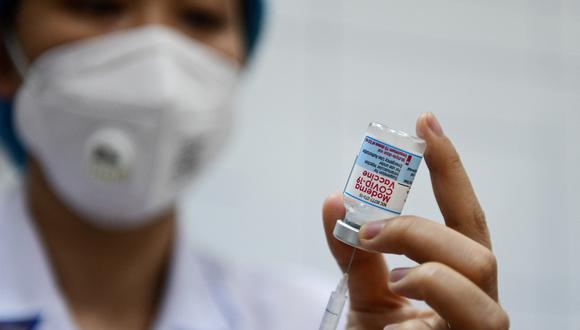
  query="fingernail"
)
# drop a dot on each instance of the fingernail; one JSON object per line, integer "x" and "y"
{"x": 419, "y": 126}
{"x": 398, "y": 273}
{"x": 390, "y": 327}
{"x": 434, "y": 124}
{"x": 372, "y": 229}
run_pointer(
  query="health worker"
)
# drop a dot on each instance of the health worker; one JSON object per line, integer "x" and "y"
{"x": 109, "y": 109}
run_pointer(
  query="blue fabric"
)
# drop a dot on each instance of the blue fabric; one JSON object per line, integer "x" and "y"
{"x": 8, "y": 136}
{"x": 253, "y": 11}
{"x": 25, "y": 324}
{"x": 254, "y": 14}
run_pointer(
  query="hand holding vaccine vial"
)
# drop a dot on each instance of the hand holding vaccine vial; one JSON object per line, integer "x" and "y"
{"x": 380, "y": 179}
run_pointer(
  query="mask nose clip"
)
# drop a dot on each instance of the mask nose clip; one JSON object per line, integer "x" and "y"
{"x": 110, "y": 155}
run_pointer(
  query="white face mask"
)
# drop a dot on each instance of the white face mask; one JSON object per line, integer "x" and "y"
{"x": 122, "y": 123}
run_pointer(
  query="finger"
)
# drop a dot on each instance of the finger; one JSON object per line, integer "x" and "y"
{"x": 451, "y": 185}
{"x": 454, "y": 297}
{"x": 419, "y": 324}
{"x": 368, "y": 274}
{"x": 432, "y": 322}
{"x": 423, "y": 241}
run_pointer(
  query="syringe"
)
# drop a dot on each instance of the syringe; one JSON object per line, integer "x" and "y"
{"x": 336, "y": 301}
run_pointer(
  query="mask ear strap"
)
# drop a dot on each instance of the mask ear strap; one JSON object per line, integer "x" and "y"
{"x": 16, "y": 53}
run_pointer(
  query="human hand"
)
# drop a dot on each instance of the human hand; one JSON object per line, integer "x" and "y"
{"x": 457, "y": 272}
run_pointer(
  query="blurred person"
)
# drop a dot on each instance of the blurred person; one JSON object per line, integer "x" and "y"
{"x": 109, "y": 109}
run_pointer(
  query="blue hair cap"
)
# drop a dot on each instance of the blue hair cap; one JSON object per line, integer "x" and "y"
{"x": 254, "y": 15}
{"x": 252, "y": 10}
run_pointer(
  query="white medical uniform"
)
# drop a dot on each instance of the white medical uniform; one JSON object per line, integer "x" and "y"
{"x": 202, "y": 294}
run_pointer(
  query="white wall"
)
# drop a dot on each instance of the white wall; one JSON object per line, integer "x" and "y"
{"x": 504, "y": 79}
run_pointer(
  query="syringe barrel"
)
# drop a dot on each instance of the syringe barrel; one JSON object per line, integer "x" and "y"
{"x": 333, "y": 311}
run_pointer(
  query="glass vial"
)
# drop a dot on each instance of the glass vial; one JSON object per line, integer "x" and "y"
{"x": 380, "y": 179}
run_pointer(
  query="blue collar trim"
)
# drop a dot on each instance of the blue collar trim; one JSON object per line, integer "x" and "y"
{"x": 21, "y": 324}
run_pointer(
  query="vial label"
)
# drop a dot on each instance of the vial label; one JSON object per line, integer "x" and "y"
{"x": 382, "y": 175}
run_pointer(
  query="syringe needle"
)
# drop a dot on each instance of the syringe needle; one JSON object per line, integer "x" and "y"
{"x": 350, "y": 262}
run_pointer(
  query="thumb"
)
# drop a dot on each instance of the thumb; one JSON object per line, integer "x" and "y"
{"x": 368, "y": 275}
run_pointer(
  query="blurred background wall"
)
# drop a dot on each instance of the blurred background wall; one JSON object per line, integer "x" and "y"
{"x": 503, "y": 76}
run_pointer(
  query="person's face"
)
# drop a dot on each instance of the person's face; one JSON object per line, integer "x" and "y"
{"x": 43, "y": 24}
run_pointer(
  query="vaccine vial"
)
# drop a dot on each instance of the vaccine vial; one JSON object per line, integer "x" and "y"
{"x": 380, "y": 179}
